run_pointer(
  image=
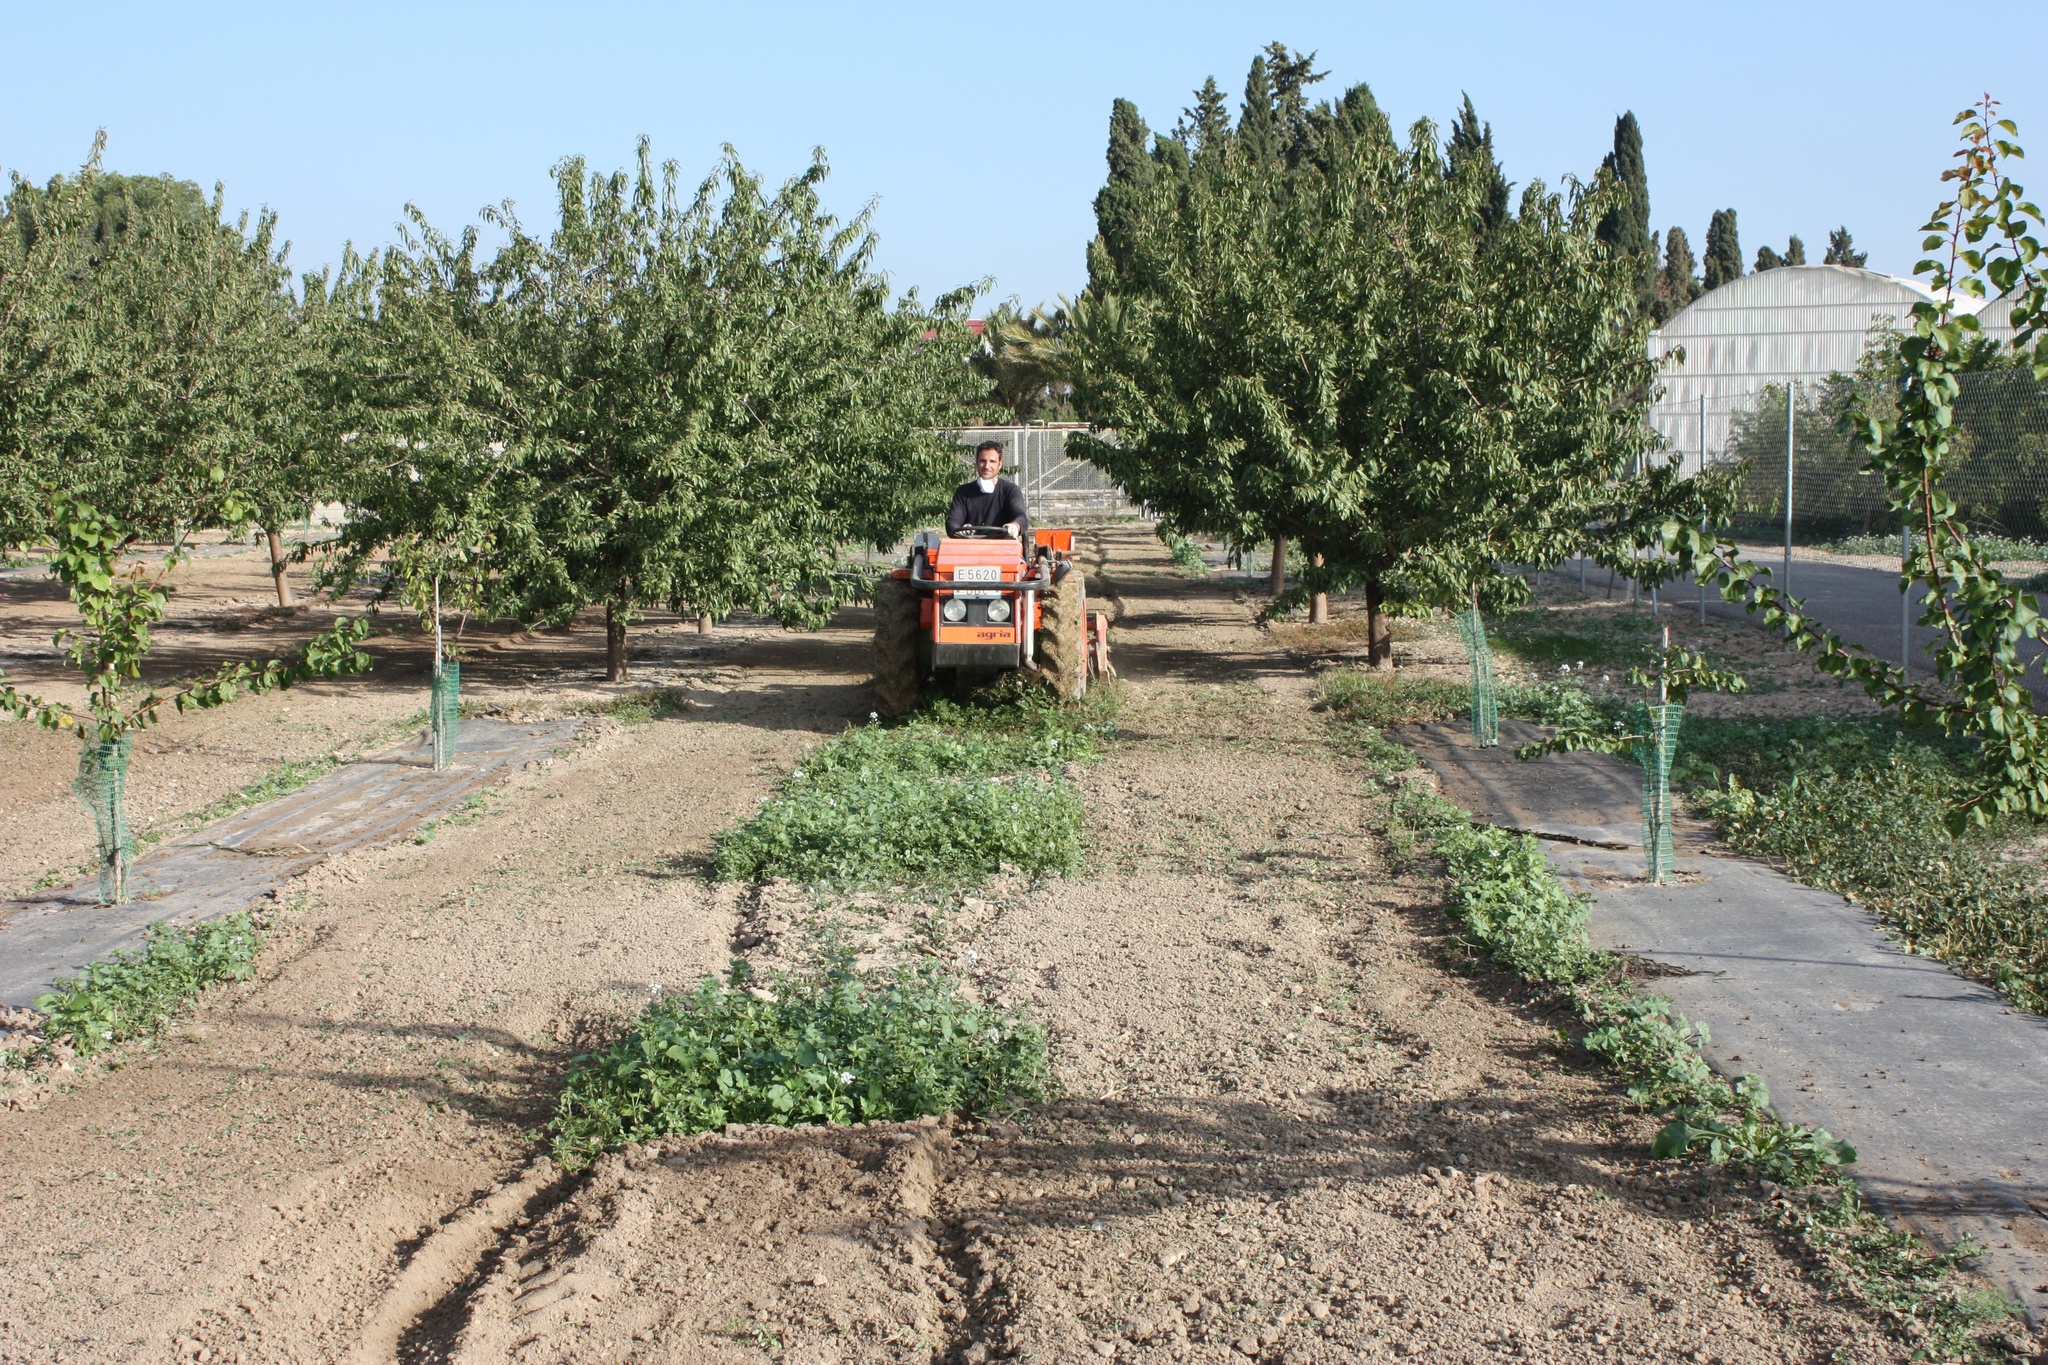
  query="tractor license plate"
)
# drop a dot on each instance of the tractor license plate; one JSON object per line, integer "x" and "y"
{"x": 978, "y": 573}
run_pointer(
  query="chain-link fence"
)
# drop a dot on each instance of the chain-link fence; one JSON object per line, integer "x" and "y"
{"x": 1056, "y": 486}
{"x": 1998, "y": 466}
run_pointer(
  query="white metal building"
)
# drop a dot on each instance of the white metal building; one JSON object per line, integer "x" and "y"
{"x": 1801, "y": 322}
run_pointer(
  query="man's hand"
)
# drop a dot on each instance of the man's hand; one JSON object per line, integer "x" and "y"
{"x": 1011, "y": 529}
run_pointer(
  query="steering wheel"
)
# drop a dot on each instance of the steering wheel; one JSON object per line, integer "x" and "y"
{"x": 983, "y": 533}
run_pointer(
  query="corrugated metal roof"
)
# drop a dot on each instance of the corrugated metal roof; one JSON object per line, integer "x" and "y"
{"x": 1799, "y": 322}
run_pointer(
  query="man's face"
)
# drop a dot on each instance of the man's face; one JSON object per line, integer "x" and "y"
{"x": 988, "y": 463}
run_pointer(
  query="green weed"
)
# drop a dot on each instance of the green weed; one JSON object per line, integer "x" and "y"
{"x": 1994, "y": 547}
{"x": 1186, "y": 552}
{"x": 1514, "y": 912}
{"x": 133, "y": 995}
{"x": 829, "y": 1045}
{"x": 922, "y": 803}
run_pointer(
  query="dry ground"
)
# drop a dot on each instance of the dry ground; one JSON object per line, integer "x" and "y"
{"x": 1290, "y": 1129}
{"x": 222, "y": 608}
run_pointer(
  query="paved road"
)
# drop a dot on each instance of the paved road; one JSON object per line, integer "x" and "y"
{"x": 1937, "y": 1081}
{"x": 222, "y": 868}
{"x": 1861, "y": 605}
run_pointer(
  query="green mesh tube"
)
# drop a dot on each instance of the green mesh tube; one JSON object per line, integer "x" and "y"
{"x": 1485, "y": 706}
{"x": 102, "y": 788}
{"x": 1656, "y": 755}
{"x": 444, "y": 710}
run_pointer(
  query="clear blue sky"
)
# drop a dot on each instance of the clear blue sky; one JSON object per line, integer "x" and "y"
{"x": 978, "y": 128}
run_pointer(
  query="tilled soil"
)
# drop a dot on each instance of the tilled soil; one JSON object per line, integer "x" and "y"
{"x": 1292, "y": 1125}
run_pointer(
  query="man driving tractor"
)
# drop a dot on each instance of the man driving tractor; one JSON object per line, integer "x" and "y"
{"x": 988, "y": 499}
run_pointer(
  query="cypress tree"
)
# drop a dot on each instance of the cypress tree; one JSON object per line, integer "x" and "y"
{"x": 1472, "y": 144}
{"x": 1795, "y": 251}
{"x": 1626, "y": 227}
{"x": 1208, "y": 122}
{"x": 1297, "y": 128}
{"x": 1255, "y": 122}
{"x": 1767, "y": 258}
{"x": 1130, "y": 171}
{"x": 1842, "y": 250}
{"x": 1677, "y": 285}
{"x": 1724, "y": 251}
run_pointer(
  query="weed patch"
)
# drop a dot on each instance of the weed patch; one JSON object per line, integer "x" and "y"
{"x": 1513, "y": 912}
{"x": 1994, "y": 547}
{"x": 830, "y": 1045}
{"x": 944, "y": 799}
{"x": 135, "y": 995}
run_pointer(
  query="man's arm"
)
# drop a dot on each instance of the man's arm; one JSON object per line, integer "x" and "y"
{"x": 956, "y": 515}
{"x": 1013, "y": 510}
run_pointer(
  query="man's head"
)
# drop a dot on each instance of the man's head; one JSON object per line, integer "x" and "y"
{"x": 988, "y": 460}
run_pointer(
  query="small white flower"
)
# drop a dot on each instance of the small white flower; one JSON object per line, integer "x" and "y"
{"x": 874, "y": 716}
{"x": 654, "y": 988}
{"x": 846, "y": 1078}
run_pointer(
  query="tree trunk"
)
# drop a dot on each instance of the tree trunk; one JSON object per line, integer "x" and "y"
{"x": 703, "y": 623}
{"x": 1379, "y": 629}
{"x": 614, "y": 643}
{"x": 284, "y": 587}
{"x": 1279, "y": 570}
{"x": 1319, "y": 602}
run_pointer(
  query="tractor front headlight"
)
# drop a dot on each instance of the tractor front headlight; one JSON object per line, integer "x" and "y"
{"x": 953, "y": 609}
{"x": 999, "y": 610}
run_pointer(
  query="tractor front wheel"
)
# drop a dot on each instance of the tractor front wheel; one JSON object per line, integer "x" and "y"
{"x": 897, "y": 672}
{"x": 1061, "y": 650}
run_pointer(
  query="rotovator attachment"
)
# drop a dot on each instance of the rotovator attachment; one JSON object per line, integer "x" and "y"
{"x": 980, "y": 604}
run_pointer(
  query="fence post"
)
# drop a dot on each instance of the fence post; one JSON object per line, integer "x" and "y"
{"x": 1791, "y": 404}
{"x": 1703, "y": 469}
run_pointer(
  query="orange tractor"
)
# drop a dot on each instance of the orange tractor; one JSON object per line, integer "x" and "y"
{"x": 976, "y": 605}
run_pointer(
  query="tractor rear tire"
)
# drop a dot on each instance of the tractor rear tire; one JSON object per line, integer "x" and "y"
{"x": 897, "y": 673}
{"x": 1061, "y": 650}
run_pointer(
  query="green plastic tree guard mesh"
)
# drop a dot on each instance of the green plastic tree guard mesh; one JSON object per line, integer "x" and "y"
{"x": 444, "y": 710}
{"x": 1656, "y": 755}
{"x": 1485, "y": 708}
{"x": 102, "y": 787}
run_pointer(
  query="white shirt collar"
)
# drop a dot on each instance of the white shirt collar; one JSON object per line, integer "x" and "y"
{"x": 987, "y": 485}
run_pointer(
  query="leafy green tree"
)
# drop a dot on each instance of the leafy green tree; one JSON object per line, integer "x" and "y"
{"x": 1325, "y": 353}
{"x": 1626, "y": 226}
{"x": 690, "y": 402}
{"x": 1769, "y": 259}
{"x": 1723, "y": 261}
{"x": 1795, "y": 251}
{"x": 155, "y": 374}
{"x": 1842, "y": 250}
{"x": 45, "y": 256}
{"x": 1677, "y": 282}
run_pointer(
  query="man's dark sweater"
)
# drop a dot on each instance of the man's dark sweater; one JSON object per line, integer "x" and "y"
{"x": 972, "y": 507}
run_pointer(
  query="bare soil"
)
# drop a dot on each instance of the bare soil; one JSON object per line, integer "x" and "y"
{"x": 222, "y": 609}
{"x": 1292, "y": 1126}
